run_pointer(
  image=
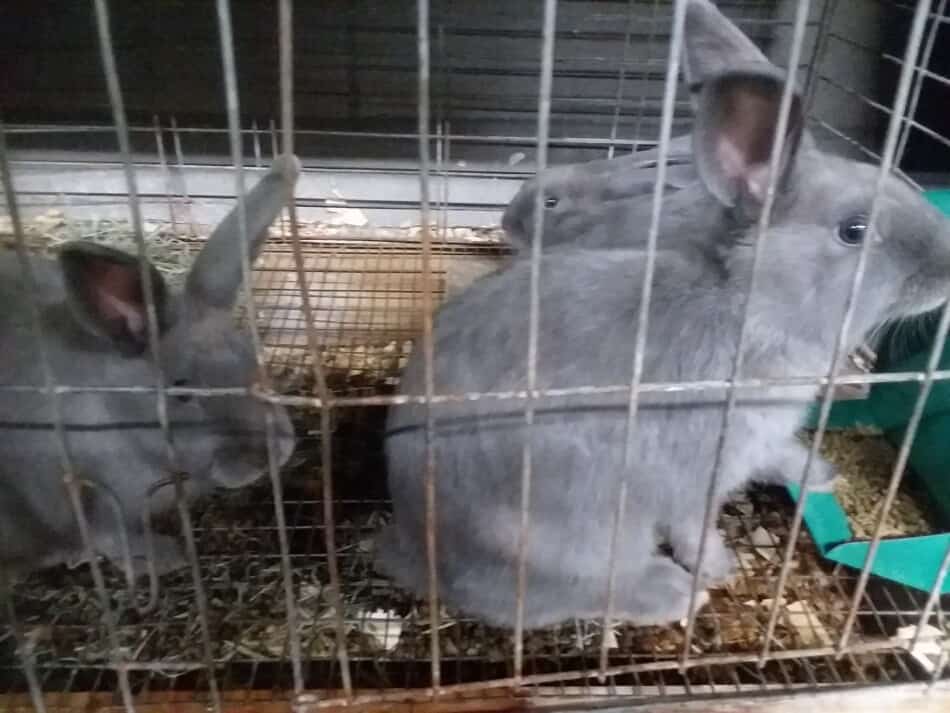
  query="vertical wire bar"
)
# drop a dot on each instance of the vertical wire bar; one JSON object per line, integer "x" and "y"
{"x": 445, "y": 158}
{"x": 534, "y": 321}
{"x": 6, "y": 585}
{"x": 642, "y": 105}
{"x": 778, "y": 148}
{"x": 621, "y": 80}
{"x": 819, "y": 50}
{"x": 180, "y": 159}
{"x": 163, "y": 165}
{"x": 229, "y": 71}
{"x": 257, "y": 143}
{"x": 919, "y": 81}
{"x": 935, "y": 593}
{"x": 611, "y": 576}
{"x": 161, "y": 406}
{"x": 422, "y": 38}
{"x": 442, "y": 142}
{"x": 887, "y": 158}
{"x": 285, "y": 17}
{"x": 313, "y": 342}
{"x": 646, "y": 295}
{"x": 274, "y": 148}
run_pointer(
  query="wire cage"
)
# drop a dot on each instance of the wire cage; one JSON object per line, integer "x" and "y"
{"x": 416, "y": 123}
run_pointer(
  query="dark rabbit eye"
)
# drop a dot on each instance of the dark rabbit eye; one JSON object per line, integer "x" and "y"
{"x": 550, "y": 202}
{"x": 183, "y": 398}
{"x": 852, "y": 230}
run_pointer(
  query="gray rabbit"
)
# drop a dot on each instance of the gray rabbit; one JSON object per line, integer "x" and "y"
{"x": 585, "y": 202}
{"x": 589, "y": 302}
{"x": 93, "y": 313}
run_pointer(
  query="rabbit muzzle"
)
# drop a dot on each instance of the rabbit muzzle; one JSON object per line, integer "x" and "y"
{"x": 245, "y": 459}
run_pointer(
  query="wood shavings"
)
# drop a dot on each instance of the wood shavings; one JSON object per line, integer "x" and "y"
{"x": 610, "y": 639}
{"x": 764, "y": 543}
{"x": 865, "y": 462}
{"x": 807, "y": 625}
{"x": 384, "y": 627}
{"x": 929, "y": 647}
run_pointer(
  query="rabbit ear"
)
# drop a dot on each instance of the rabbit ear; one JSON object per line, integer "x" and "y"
{"x": 215, "y": 278}
{"x": 734, "y": 133}
{"x": 105, "y": 292}
{"x": 713, "y": 45}
{"x": 737, "y": 93}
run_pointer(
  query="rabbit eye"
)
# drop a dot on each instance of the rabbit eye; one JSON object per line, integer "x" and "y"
{"x": 852, "y": 230}
{"x": 550, "y": 202}
{"x": 182, "y": 398}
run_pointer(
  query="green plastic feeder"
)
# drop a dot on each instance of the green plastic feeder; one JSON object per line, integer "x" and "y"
{"x": 940, "y": 198}
{"x": 912, "y": 561}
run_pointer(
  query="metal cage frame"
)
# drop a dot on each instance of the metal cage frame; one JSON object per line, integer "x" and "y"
{"x": 492, "y": 692}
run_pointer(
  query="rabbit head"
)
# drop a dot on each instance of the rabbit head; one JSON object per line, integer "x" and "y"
{"x": 582, "y": 202}
{"x": 819, "y": 219}
{"x": 95, "y": 322}
{"x": 220, "y": 438}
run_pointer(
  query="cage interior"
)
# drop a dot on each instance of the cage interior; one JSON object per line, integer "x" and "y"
{"x": 359, "y": 233}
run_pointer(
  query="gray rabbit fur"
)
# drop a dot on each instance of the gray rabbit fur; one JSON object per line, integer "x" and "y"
{"x": 93, "y": 314}
{"x": 589, "y": 302}
{"x": 585, "y": 202}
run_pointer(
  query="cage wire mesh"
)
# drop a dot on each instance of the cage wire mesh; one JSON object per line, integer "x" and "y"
{"x": 281, "y": 598}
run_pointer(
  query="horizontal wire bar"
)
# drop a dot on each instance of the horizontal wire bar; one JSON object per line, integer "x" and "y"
{"x": 891, "y": 644}
{"x": 514, "y": 395}
{"x": 561, "y": 141}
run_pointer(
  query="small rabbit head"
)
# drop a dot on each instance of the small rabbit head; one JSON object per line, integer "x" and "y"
{"x": 819, "y": 219}
{"x": 218, "y": 440}
{"x": 581, "y": 198}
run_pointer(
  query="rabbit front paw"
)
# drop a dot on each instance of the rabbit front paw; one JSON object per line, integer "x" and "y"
{"x": 791, "y": 468}
{"x": 823, "y": 475}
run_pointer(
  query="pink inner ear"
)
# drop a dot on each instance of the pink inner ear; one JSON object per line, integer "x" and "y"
{"x": 745, "y": 137}
{"x": 731, "y": 158}
{"x": 117, "y": 294}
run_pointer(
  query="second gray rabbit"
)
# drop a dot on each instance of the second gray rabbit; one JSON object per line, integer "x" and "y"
{"x": 589, "y": 303}
{"x": 93, "y": 313}
{"x": 584, "y": 203}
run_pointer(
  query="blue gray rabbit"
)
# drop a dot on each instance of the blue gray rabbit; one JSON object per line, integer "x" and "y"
{"x": 589, "y": 304}
{"x": 93, "y": 314}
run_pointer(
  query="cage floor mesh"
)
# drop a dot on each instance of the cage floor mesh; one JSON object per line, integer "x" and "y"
{"x": 367, "y": 307}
